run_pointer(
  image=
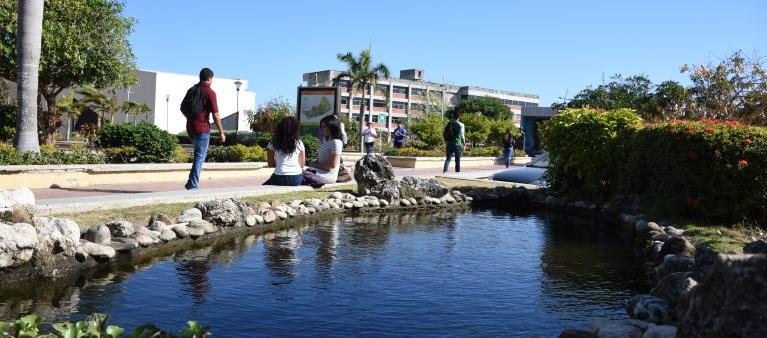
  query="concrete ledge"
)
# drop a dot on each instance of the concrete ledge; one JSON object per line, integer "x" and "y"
{"x": 438, "y": 162}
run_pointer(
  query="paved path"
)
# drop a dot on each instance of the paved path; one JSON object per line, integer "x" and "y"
{"x": 126, "y": 195}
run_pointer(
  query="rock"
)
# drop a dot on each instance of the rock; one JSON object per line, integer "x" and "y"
{"x": 167, "y": 235}
{"x": 275, "y": 203}
{"x": 673, "y": 231}
{"x": 302, "y": 210}
{"x": 641, "y": 226}
{"x": 660, "y": 331}
{"x": 121, "y": 229}
{"x": 181, "y": 230}
{"x": 386, "y": 191}
{"x": 19, "y": 197}
{"x": 412, "y": 187}
{"x": 189, "y": 214}
{"x": 550, "y": 200}
{"x": 371, "y": 170}
{"x": 413, "y": 201}
{"x": 143, "y": 240}
{"x": 491, "y": 196}
{"x": 374, "y": 204}
{"x": 649, "y": 308}
{"x": 662, "y": 236}
{"x": 654, "y": 226}
{"x": 230, "y": 212}
{"x": 616, "y": 329}
{"x": 384, "y": 203}
{"x": 251, "y": 220}
{"x": 121, "y": 244}
{"x": 656, "y": 246}
{"x": 676, "y": 246}
{"x": 158, "y": 226}
{"x": 268, "y": 215}
{"x": 292, "y": 212}
{"x": 573, "y": 333}
{"x": 756, "y": 247}
{"x": 673, "y": 287}
{"x": 450, "y": 199}
{"x": 99, "y": 234}
{"x": 311, "y": 210}
{"x": 673, "y": 263}
{"x": 404, "y": 203}
{"x": 17, "y": 244}
{"x": 206, "y": 226}
{"x": 358, "y": 204}
{"x": 348, "y": 205}
{"x": 295, "y": 203}
{"x": 160, "y": 217}
{"x": 195, "y": 232}
{"x": 98, "y": 251}
{"x": 263, "y": 205}
{"x": 281, "y": 214}
{"x": 704, "y": 258}
{"x": 336, "y": 195}
{"x": 57, "y": 235}
{"x": 731, "y": 301}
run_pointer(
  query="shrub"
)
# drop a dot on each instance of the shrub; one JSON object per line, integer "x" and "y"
{"x": 415, "y": 152}
{"x": 483, "y": 152}
{"x": 477, "y": 128}
{"x": 181, "y": 156}
{"x": 120, "y": 154}
{"x": 268, "y": 114}
{"x": 153, "y": 145}
{"x": 311, "y": 144}
{"x": 48, "y": 155}
{"x": 498, "y": 129}
{"x": 429, "y": 130}
{"x": 7, "y": 122}
{"x": 263, "y": 139}
{"x": 236, "y": 153}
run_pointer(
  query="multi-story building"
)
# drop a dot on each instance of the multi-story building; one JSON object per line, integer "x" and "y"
{"x": 409, "y": 96}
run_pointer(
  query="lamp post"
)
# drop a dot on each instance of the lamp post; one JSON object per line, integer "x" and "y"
{"x": 237, "y": 85}
{"x": 167, "y": 120}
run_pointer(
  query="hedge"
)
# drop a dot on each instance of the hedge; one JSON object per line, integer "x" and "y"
{"x": 471, "y": 152}
{"x": 711, "y": 170}
{"x": 152, "y": 144}
{"x": 236, "y": 153}
{"x": 49, "y": 155}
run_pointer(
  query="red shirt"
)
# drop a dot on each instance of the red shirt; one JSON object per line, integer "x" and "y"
{"x": 200, "y": 123}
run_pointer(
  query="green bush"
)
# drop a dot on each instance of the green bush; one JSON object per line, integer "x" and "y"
{"x": 476, "y": 128}
{"x": 236, "y": 153}
{"x": 181, "y": 156}
{"x": 7, "y": 122}
{"x": 311, "y": 144}
{"x": 93, "y": 327}
{"x": 120, "y": 154}
{"x": 48, "y": 155}
{"x": 153, "y": 145}
{"x": 415, "y": 152}
{"x": 428, "y": 130}
{"x": 498, "y": 129}
{"x": 263, "y": 139}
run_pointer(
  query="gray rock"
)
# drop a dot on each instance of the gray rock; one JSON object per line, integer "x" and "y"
{"x": 677, "y": 246}
{"x": 268, "y": 215}
{"x": 181, "y": 230}
{"x": 143, "y": 239}
{"x": 656, "y": 246}
{"x": 19, "y": 197}
{"x": 386, "y": 191}
{"x": 413, "y": 201}
{"x": 280, "y": 208}
{"x": 756, "y": 247}
{"x": 281, "y": 214}
{"x": 160, "y": 217}
{"x": 573, "y": 333}
{"x": 654, "y": 226}
{"x": 348, "y": 205}
{"x": 99, "y": 234}
{"x": 731, "y": 301}
{"x": 121, "y": 229}
{"x": 450, "y": 199}
{"x": 660, "y": 331}
{"x": 17, "y": 244}
{"x": 674, "y": 231}
{"x": 371, "y": 170}
{"x": 251, "y": 220}
{"x": 414, "y": 187}
{"x": 189, "y": 214}
{"x": 704, "y": 258}
{"x": 649, "y": 308}
{"x": 618, "y": 330}
{"x": 384, "y": 203}
{"x": 230, "y": 212}
{"x": 673, "y": 287}
{"x": 121, "y": 244}
{"x": 673, "y": 263}
{"x": 404, "y": 203}
{"x": 99, "y": 251}
{"x": 358, "y": 204}
{"x": 158, "y": 226}
{"x": 195, "y": 232}
{"x": 167, "y": 235}
{"x": 374, "y": 204}
{"x": 661, "y": 236}
{"x": 206, "y": 226}
{"x": 57, "y": 235}
{"x": 336, "y": 195}
{"x": 311, "y": 210}
{"x": 641, "y": 226}
{"x": 292, "y": 212}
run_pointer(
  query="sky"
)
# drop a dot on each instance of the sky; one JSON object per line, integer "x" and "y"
{"x": 550, "y": 48}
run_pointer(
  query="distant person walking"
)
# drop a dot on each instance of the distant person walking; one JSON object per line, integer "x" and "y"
{"x": 508, "y": 147}
{"x": 454, "y": 136}
{"x": 198, "y": 125}
{"x": 286, "y": 153}
{"x": 370, "y": 137}
{"x": 399, "y": 136}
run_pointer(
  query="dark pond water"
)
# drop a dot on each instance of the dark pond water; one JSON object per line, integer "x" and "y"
{"x": 446, "y": 273}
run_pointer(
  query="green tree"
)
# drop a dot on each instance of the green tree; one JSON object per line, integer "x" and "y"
{"x": 736, "y": 87}
{"x": 29, "y": 33}
{"x": 70, "y": 107}
{"x": 135, "y": 109}
{"x": 489, "y": 106}
{"x": 670, "y": 100}
{"x": 632, "y": 92}
{"x": 477, "y": 127}
{"x": 102, "y": 104}
{"x": 362, "y": 76}
{"x": 84, "y": 42}
{"x": 498, "y": 128}
{"x": 429, "y": 130}
{"x": 269, "y": 114}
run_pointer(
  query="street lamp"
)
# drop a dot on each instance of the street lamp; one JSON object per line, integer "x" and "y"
{"x": 237, "y": 85}
{"x": 167, "y": 120}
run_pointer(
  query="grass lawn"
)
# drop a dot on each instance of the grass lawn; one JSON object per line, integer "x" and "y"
{"x": 722, "y": 239}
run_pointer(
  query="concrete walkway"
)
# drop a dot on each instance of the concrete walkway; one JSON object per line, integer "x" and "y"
{"x": 57, "y": 200}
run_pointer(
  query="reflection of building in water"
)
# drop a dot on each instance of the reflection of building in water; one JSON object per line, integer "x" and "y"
{"x": 280, "y": 255}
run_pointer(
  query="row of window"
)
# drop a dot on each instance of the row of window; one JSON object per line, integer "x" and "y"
{"x": 508, "y": 102}
{"x": 381, "y": 119}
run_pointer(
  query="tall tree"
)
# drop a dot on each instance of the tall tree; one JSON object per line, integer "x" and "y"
{"x": 361, "y": 76}
{"x": 630, "y": 92}
{"x": 84, "y": 42}
{"x": 489, "y": 106}
{"x": 29, "y": 33}
{"x": 135, "y": 109}
{"x": 101, "y": 103}
{"x": 670, "y": 100}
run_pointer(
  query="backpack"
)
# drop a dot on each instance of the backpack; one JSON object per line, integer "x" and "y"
{"x": 450, "y": 134}
{"x": 192, "y": 102}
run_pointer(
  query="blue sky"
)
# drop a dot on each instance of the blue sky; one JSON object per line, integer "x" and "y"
{"x": 547, "y": 48}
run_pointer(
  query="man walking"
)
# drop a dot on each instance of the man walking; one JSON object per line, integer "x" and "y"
{"x": 399, "y": 136}
{"x": 454, "y": 135}
{"x": 198, "y": 127}
{"x": 370, "y": 137}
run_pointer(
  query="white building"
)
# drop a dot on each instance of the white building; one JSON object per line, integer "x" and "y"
{"x": 163, "y": 93}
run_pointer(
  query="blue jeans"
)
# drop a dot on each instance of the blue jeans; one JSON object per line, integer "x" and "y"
{"x": 450, "y": 150}
{"x": 200, "y": 142}
{"x": 288, "y": 180}
{"x": 369, "y": 147}
{"x": 507, "y": 156}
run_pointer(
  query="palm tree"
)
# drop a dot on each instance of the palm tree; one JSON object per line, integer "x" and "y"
{"x": 135, "y": 109}
{"x": 361, "y": 77}
{"x": 29, "y": 33}
{"x": 71, "y": 107}
{"x": 100, "y": 103}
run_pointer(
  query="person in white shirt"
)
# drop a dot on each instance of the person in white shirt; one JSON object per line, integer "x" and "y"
{"x": 286, "y": 153}
{"x": 370, "y": 137}
{"x": 325, "y": 169}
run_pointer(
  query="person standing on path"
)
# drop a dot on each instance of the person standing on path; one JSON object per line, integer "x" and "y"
{"x": 508, "y": 147}
{"x": 370, "y": 137}
{"x": 454, "y": 136}
{"x": 399, "y": 136}
{"x": 198, "y": 128}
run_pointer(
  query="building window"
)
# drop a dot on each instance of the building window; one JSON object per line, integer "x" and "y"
{"x": 343, "y": 83}
{"x": 395, "y": 120}
{"x": 382, "y": 88}
{"x": 399, "y": 90}
{"x": 398, "y": 105}
{"x": 344, "y": 100}
{"x": 379, "y": 103}
{"x": 417, "y": 107}
{"x": 418, "y": 92}
{"x": 358, "y": 100}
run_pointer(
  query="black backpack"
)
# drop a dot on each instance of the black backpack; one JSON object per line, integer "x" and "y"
{"x": 192, "y": 102}
{"x": 448, "y": 134}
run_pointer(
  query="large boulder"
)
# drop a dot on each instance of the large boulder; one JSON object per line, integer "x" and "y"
{"x": 413, "y": 187}
{"x": 371, "y": 170}
{"x": 649, "y": 308}
{"x": 731, "y": 301}
{"x": 57, "y": 235}
{"x": 189, "y": 215}
{"x": 230, "y": 212}
{"x": 756, "y": 247}
{"x": 19, "y": 197}
{"x": 98, "y": 233}
{"x": 673, "y": 287}
{"x": 122, "y": 229}
{"x": 386, "y": 190}
{"x": 98, "y": 251}
{"x": 673, "y": 263}
{"x": 704, "y": 258}
{"x": 676, "y": 246}
{"x": 17, "y": 244}
{"x": 660, "y": 331}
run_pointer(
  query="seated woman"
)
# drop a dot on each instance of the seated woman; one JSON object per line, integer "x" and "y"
{"x": 286, "y": 154}
{"x": 329, "y": 152}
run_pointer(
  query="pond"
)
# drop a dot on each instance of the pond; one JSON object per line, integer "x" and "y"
{"x": 437, "y": 273}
